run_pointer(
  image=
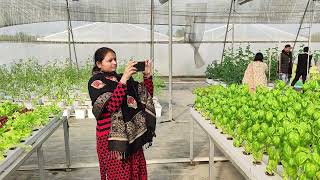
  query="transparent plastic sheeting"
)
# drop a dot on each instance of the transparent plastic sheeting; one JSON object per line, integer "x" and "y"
{"x": 185, "y": 12}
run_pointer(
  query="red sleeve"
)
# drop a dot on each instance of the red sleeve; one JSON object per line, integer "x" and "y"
{"x": 116, "y": 98}
{"x": 149, "y": 85}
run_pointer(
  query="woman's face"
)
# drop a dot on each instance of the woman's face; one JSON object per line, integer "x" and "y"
{"x": 109, "y": 63}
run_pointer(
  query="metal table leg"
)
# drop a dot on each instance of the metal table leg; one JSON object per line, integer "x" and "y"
{"x": 211, "y": 160}
{"x": 40, "y": 162}
{"x": 66, "y": 144}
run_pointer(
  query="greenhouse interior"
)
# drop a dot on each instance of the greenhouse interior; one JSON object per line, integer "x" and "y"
{"x": 105, "y": 89}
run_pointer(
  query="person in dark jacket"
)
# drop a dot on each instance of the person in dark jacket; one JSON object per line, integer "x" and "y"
{"x": 285, "y": 68}
{"x": 302, "y": 69}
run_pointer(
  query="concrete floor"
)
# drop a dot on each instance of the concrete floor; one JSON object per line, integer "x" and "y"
{"x": 172, "y": 141}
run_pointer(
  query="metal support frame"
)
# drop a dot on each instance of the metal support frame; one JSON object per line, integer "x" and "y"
{"x": 270, "y": 59}
{"x": 191, "y": 141}
{"x": 40, "y": 162}
{"x": 310, "y": 37}
{"x": 235, "y": 155}
{"x": 170, "y": 60}
{"x": 211, "y": 155}
{"x": 70, "y": 36}
{"x": 227, "y": 29}
{"x": 67, "y": 144}
{"x": 18, "y": 156}
{"x": 279, "y": 59}
{"x": 233, "y": 25}
{"x": 311, "y": 4}
{"x": 301, "y": 22}
{"x": 152, "y": 34}
{"x": 211, "y": 158}
{"x": 241, "y": 2}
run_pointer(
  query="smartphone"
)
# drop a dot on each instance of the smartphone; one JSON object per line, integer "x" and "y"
{"x": 140, "y": 66}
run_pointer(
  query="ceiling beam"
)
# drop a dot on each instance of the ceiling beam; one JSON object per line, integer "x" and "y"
{"x": 241, "y": 2}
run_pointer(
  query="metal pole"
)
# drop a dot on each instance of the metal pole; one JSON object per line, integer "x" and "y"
{"x": 279, "y": 60}
{"x": 40, "y": 162}
{"x": 301, "y": 22}
{"x": 170, "y": 60}
{"x": 66, "y": 143}
{"x": 310, "y": 37}
{"x": 191, "y": 140}
{"x": 74, "y": 46}
{"x": 71, "y": 33}
{"x": 227, "y": 29}
{"x": 270, "y": 58}
{"x": 234, "y": 10}
{"x": 211, "y": 159}
{"x": 68, "y": 28}
{"x": 152, "y": 35}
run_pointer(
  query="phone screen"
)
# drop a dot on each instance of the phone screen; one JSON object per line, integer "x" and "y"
{"x": 140, "y": 66}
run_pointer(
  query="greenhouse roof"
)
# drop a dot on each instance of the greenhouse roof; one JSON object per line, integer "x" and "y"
{"x": 251, "y": 33}
{"x": 13, "y": 12}
{"x": 107, "y": 32}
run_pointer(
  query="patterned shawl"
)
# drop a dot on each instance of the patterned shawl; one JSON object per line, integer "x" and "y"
{"x": 133, "y": 125}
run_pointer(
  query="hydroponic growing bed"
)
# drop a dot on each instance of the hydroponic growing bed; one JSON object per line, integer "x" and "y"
{"x": 271, "y": 133}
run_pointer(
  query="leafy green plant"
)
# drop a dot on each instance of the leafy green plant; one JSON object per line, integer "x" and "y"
{"x": 316, "y": 56}
{"x": 20, "y": 36}
{"x": 28, "y": 80}
{"x": 21, "y": 124}
{"x": 273, "y": 65}
{"x": 283, "y": 123}
{"x": 232, "y": 68}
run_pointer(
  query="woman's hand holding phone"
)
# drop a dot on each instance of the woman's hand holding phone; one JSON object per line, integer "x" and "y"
{"x": 128, "y": 72}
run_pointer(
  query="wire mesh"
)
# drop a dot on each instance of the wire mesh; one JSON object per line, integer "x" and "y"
{"x": 15, "y": 12}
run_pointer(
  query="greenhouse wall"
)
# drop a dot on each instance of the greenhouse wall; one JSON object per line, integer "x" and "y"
{"x": 183, "y": 60}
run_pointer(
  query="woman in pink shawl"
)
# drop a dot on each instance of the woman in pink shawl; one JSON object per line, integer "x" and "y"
{"x": 255, "y": 74}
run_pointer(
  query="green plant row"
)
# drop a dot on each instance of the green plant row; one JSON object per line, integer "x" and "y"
{"x": 283, "y": 123}
{"x": 232, "y": 69}
{"x": 29, "y": 80}
{"x": 20, "y": 124}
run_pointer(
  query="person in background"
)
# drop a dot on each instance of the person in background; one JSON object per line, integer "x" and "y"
{"x": 285, "y": 69}
{"x": 302, "y": 69}
{"x": 255, "y": 74}
{"x": 125, "y": 116}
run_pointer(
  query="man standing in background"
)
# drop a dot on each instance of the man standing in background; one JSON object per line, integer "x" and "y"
{"x": 302, "y": 69}
{"x": 285, "y": 64}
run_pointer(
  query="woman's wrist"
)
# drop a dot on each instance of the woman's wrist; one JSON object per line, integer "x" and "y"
{"x": 146, "y": 76}
{"x": 123, "y": 80}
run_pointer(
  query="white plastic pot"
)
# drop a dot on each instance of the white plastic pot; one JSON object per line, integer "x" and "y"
{"x": 62, "y": 104}
{"x": 48, "y": 102}
{"x": 158, "y": 108}
{"x": 80, "y": 113}
{"x": 209, "y": 81}
{"x": 90, "y": 114}
{"x": 223, "y": 84}
{"x": 8, "y": 97}
{"x": 87, "y": 102}
{"x": 28, "y": 105}
{"x": 75, "y": 104}
{"x": 66, "y": 113}
{"x": 71, "y": 109}
{"x": 155, "y": 100}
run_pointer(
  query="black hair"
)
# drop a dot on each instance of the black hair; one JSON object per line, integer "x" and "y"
{"x": 258, "y": 57}
{"x": 99, "y": 55}
{"x": 306, "y": 49}
{"x": 287, "y": 46}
